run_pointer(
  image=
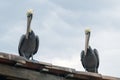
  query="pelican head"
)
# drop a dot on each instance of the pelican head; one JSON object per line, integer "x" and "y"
{"x": 29, "y": 19}
{"x": 87, "y": 31}
{"x": 29, "y": 13}
{"x": 87, "y": 34}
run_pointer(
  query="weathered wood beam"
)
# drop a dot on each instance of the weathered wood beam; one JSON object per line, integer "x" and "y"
{"x": 14, "y": 66}
{"x": 26, "y": 74}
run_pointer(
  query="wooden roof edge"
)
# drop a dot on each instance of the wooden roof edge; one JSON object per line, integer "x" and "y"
{"x": 13, "y": 59}
{"x": 110, "y": 78}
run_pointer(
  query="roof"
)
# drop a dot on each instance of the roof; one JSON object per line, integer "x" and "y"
{"x": 18, "y": 67}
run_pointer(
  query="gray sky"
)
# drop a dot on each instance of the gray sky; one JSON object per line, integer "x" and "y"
{"x": 60, "y": 25}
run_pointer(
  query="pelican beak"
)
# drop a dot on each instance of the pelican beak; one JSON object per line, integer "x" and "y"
{"x": 87, "y": 33}
{"x": 29, "y": 19}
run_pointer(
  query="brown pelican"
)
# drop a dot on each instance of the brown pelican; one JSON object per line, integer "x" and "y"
{"x": 29, "y": 42}
{"x": 89, "y": 57}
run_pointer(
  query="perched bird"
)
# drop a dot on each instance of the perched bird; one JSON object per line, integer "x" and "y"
{"x": 89, "y": 57}
{"x": 29, "y": 42}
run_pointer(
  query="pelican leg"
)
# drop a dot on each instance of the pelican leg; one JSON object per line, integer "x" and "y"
{"x": 32, "y": 56}
{"x": 23, "y": 55}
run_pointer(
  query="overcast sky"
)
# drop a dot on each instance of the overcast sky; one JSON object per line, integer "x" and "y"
{"x": 60, "y": 25}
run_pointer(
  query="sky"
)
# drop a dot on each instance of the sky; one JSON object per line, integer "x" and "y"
{"x": 60, "y": 25}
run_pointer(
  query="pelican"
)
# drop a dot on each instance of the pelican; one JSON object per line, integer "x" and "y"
{"x": 29, "y": 42}
{"x": 89, "y": 56}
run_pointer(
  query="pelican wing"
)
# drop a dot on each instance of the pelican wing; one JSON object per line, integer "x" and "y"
{"x": 37, "y": 45}
{"x": 97, "y": 56}
{"x": 20, "y": 45}
{"x": 83, "y": 58}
